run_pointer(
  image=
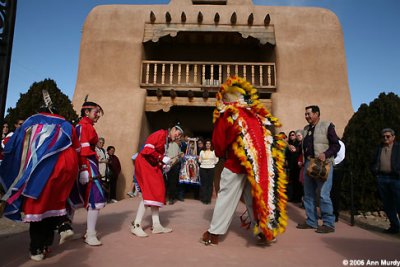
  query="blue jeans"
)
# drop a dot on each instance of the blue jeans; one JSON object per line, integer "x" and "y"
{"x": 311, "y": 189}
{"x": 389, "y": 190}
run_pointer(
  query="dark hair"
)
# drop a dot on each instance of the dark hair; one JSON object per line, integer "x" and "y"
{"x": 110, "y": 147}
{"x": 89, "y": 106}
{"x": 205, "y": 142}
{"x": 314, "y": 109}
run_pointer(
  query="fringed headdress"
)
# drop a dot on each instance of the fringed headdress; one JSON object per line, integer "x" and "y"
{"x": 48, "y": 104}
{"x": 263, "y": 161}
{"x": 89, "y": 105}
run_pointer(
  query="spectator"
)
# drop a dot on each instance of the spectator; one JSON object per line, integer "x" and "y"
{"x": 102, "y": 157}
{"x": 5, "y": 130}
{"x": 207, "y": 160}
{"x": 300, "y": 163}
{"x": 200, "y": 145}
{"x": 320, "y": 142}
{"x": 113, "y": 171}
{"x": 172, "y": 176}
{"x": 3, "y": 135}
{"x": 8, "y": 136}
{"x": 386, "y": 168}
{"x": 294, "y": 187}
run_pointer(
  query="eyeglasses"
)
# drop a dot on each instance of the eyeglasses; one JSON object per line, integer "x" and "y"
{"x": 387, "y": 136}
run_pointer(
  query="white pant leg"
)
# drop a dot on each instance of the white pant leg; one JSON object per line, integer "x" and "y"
{"x": 231, "y": 188}
{"x": 248, "y": 200}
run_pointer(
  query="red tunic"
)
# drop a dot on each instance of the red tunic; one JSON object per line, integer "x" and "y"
{"x": 148, "y": 169}
{"x": 52, "y": 200}
{"x": 88, "y": 139}
{"x": 92, "y": 192}
{"x": 224, "y": 135}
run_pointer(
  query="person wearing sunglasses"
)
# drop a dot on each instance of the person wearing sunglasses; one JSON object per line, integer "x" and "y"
{"x": 386, "y": 168}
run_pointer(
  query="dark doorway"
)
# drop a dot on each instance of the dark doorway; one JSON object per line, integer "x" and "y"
{"x": 196, "y": 121}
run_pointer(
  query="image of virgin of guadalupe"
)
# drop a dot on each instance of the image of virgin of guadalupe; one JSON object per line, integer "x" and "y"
{"x": 190, "y": 172}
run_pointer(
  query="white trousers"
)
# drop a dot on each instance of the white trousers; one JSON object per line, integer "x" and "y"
{"x": 232, "y": 185}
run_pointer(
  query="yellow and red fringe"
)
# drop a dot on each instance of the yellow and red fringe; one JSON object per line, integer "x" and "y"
{"x": 266, "y": 212}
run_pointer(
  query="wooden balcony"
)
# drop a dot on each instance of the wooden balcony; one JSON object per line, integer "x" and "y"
{"x": 200, "y": 76}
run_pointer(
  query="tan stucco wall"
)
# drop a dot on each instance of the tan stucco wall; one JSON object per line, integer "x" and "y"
{"x": 311, "y": 67}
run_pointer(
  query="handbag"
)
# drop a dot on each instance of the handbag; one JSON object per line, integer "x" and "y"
{"x": 318, "y": 169}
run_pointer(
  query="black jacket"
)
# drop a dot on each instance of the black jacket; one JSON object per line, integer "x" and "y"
{"x": 395, "y": 160}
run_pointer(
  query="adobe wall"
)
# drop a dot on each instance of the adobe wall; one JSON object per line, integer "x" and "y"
{"x": 311, "y": 67}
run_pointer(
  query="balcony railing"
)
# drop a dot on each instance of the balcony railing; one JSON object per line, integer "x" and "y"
{"x": 184, "y": 75}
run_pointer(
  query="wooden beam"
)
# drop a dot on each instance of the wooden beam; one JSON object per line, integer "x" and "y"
{"x": 154, "y": 104}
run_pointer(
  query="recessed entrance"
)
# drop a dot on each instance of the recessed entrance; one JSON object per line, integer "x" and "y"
{"x": 197, "y": 121}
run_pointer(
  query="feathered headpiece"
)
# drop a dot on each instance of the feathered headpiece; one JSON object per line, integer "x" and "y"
{"x": 48, "y": 104}
{"x": 89, "y": 105}
{"x": 259, "y": 152}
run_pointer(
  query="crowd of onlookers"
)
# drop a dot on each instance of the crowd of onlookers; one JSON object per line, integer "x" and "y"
{"x": 109, "y": 168}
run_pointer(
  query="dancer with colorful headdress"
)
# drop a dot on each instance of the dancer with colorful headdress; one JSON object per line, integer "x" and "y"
{"x": 253, "y": 166}
{"x": 38, "y": 172}
{"x": 88, "y": 191}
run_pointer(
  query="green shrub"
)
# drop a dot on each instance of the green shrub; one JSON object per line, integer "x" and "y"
{"x": 362, "y": 135}
{"x": 30, "y": 102}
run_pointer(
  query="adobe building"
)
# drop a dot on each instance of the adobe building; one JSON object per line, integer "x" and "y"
{"x": 151, "y": 65}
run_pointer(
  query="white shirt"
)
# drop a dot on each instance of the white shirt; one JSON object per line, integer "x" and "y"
{"x": 207, "y": 159}
{"x": 341, "y": 154}
{"x": 101, "y": 156}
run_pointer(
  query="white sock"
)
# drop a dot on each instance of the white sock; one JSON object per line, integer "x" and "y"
{"x": 140, "y": 213}
{"x": 92, "y": 220}
{"x": 155, "y": 215}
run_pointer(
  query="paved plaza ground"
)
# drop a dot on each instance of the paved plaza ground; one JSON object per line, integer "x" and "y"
{"x": 348, "y": 246}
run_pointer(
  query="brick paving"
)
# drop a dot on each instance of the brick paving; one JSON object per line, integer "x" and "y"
{"x": 189, "y": 220}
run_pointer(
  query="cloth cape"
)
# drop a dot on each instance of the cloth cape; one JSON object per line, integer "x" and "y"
{"x": 29, "y": 159}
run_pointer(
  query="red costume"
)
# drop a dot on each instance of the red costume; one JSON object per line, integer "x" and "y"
{"x": 242, "y": 133}
{"x": 91, "y": 192}
{"x": 148, "y": 169}
{"x": 42, "y": 136}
